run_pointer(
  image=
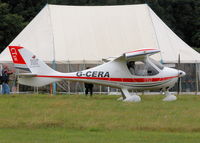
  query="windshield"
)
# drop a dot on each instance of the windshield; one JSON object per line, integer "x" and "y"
{"x": 159, "y": 65}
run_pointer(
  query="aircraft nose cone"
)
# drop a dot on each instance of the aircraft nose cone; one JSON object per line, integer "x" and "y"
{"x": 181, "y": 73}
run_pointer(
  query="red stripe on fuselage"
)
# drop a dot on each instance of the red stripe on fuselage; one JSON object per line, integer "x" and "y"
{"x": 113, "y": 79}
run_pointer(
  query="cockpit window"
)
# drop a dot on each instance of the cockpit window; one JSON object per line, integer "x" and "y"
{"x": 141, "y": 68}
{"x": 159, "y": 65}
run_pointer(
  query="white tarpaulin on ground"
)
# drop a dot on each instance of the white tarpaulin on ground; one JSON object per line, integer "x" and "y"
{"x": 93, "y": 33}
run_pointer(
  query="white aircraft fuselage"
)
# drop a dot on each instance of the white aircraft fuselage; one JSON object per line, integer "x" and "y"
{"x": 148, "y": 74}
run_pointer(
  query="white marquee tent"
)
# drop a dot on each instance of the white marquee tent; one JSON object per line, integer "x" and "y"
{"x": 93, "y": 33}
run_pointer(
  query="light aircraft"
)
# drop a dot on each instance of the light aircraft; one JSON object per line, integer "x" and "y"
{"x": 146, "y": 73}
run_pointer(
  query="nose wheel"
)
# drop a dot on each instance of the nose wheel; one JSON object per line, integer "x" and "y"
{"x": 169, "y": 96}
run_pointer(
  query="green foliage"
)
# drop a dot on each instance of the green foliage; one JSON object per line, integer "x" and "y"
{"x": 10, "y": 24}
{"x": 182, "y": 16}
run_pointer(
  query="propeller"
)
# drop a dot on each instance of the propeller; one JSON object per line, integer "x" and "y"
{"x": 179, "y": 79}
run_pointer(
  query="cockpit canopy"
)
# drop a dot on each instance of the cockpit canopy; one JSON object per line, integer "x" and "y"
{"x": 144, "y": 67}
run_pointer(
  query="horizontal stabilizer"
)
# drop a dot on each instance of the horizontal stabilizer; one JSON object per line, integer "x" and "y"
{"x": 36, "y": 81}
{"x": 27, "y": 75}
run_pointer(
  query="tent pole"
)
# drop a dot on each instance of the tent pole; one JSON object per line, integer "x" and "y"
{"x": 84, "y": 67}
{"x": 34, "y": 90}
{"x": 100, "y": 89}
{"x": 100, "y": 85}
{"x": 108, "y": 90}
{"x": 54, "y": 83}
{"x": 197, "y": 84}
{"x": 68, "y": 70}
{"x": 180, "y": 85}
{"x": 50, "y": 89}
{"x": 17, "y": 82}
{"x": 37, "y": 90}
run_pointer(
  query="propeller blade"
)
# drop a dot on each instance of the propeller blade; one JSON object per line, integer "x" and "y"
{"x": 178, "y": 84}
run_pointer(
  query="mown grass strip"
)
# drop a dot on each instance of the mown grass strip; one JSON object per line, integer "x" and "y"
{"x": 101, "y": 116}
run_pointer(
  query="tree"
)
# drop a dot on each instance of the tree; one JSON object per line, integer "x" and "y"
{"x": 10, "y": 25}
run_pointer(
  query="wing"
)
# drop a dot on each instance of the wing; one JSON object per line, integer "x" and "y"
{"x": 137, "y": 55}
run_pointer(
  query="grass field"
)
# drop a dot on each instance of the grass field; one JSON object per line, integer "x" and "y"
{"x": 100, "y": 119}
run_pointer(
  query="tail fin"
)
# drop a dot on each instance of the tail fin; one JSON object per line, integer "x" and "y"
{"x": 24, "y": 59}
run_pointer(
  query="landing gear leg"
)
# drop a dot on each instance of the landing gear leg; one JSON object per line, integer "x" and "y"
{"x": 129, "y": 98}
{"x": 169, "y": 96}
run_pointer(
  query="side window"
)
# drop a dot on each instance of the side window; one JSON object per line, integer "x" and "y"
{"x": 141, "y": 68}
{"x": 131, "y": 67}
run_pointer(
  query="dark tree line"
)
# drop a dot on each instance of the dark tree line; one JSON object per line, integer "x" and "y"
{"x": 182, "y": 16}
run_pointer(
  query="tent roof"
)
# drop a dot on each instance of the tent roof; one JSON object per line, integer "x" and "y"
{"x": 93, "y": 33}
